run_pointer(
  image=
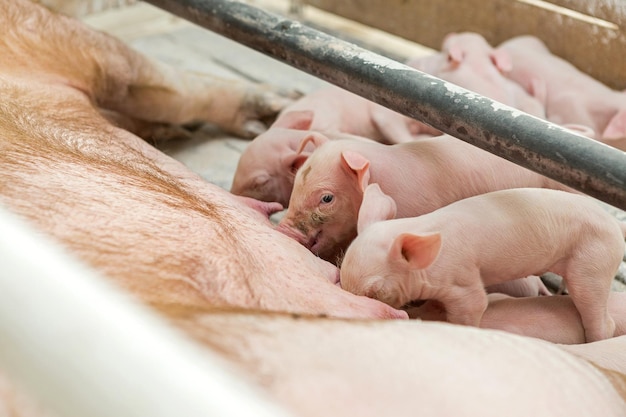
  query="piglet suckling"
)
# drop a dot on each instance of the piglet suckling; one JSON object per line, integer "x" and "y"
{"x": 265, "y": 169}
{"x": 420, "y": 176}
{"x": 569, "y": 95}
{"x": 451, "y": 254}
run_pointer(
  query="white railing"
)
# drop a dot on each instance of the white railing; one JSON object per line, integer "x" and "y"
{"x": 83, "y": 348}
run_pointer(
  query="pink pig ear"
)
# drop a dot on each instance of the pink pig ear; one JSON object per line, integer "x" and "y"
{"x": 455, "y": 54}
{"x": 376, "y": 206}
{"x": 538, "y": 89}
{"x": 420, "y": 251}
{"x": 316, "y": 139}
{"x": 360, "y": 165}
{"x": 293, "y": 161}
{"x": 502, "y": 60}
{"x": 298, "y": 120}
{"x": 453, "y": 49}
{"x": 616, "y": 129}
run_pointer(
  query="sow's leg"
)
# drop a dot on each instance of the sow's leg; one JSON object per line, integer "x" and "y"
{"x": 51, "y": 48}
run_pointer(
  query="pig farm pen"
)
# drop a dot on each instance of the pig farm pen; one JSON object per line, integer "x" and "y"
{"x": 592, "y": 35}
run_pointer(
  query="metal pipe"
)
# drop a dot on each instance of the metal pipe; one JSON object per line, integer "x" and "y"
{"x": 83, "y": 348}
{"x": 581, "y": 163}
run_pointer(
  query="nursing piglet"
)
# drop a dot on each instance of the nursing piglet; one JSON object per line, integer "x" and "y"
{"x": 569, "y": 95}
{"x": 451, "y": 254}
{"x": 266, "y": 167}
{"x": 420, "y": 176}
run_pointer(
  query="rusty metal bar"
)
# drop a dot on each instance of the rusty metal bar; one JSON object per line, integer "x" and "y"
{"x": 586, "y": 165}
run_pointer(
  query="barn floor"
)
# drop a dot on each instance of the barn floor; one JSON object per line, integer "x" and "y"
{"x": 210, "y": 152}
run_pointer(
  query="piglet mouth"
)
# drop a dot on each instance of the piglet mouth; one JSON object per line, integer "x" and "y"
{"x": 313, "y": 242}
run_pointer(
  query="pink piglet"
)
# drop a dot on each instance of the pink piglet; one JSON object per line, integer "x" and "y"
{"x": 452, "y": 253}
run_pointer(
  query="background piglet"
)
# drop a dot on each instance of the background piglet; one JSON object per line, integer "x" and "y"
{"x": 421, "y": 176}
{"x": 451, "y": 254}
{"x": 467, "y": 60}
{"x": 265, "y": 169}
{"x": 569, "y": 95}
{"x": 333, "y": 109}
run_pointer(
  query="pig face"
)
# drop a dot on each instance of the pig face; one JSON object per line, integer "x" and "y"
{"x": 264, "y": 175}
{"x": 267, "y": 167}
{"x": 392, "y": 271}
{"x": 473, "y": 47}
{"x": 326, "y": 197}
{"x": 384, "y": 265}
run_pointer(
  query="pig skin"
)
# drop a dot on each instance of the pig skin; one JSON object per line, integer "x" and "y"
{"x": 451, "y": 254}
{"x": 368, "y": 368}
{"x": 321, "y": 366}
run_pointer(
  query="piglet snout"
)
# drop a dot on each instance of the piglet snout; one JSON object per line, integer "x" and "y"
{"x": 287, "y": 229}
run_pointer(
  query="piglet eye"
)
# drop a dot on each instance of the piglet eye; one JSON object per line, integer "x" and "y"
{"x": 327, "y": 198}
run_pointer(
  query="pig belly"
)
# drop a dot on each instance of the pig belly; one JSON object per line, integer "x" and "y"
{"x": 462, "y": 371}
{"x": 165, "y": 238}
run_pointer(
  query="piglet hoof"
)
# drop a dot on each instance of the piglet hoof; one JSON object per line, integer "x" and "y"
{"x": 467, "y": 310}
{"x": 260, "y": 106}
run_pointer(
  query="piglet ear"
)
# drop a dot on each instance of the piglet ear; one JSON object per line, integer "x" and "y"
{"x": 452, "y": 49}
{"x": 455, "y": 55}
{"x": 502, "y": 60}
{"x": 316, "y": 139}
{"x": 420, "y": 251}
{"x": 293, "y": 161}
{"x": 376, "y": 206}
{"x": 360, "y": 165}
{"x": 616, "y": 129}
{"x": 296, "y": 119}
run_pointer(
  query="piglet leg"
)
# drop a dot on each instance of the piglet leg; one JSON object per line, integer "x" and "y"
{"x": 466, "y": 305}
{"x": 595, "y": 317}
